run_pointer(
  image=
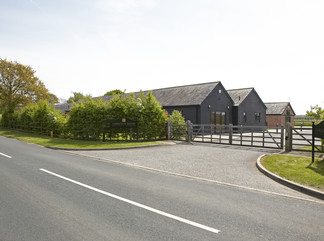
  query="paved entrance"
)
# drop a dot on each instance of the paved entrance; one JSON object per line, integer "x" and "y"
{"x": 222, "y": 163}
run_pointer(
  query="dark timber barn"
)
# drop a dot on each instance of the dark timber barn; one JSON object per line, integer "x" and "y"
{"x": 248, "y": 109}
{"x": 208, "y": 103}
{"x": 201, "y": 103}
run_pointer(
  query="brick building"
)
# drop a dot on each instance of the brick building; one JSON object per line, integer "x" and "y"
{"x": 278, "y": 113}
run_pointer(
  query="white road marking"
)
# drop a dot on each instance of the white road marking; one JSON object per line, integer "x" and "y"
{"x": 183, "y": 220}
{"x": 5, "y": 155}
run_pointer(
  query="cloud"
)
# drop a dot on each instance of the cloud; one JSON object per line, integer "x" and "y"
{"x": 123, "y": 6}
{"x": 35, "y": 4}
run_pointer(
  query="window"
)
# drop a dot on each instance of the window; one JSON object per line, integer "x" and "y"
{"x": 218, "y": 118}
{"x": 244, "y": 117}
{"x": 257, "y": 117}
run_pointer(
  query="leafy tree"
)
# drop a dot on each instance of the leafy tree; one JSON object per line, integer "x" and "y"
{"x": 114, "y": 92}
{"x": 77, "y": 96}
{"x": 19, "y": 86}
{"x": 41, "y": 117}
{"x": 177, "y": 118}
{"x": 316, "y": 111}
{"x": 152, "y": 117}
{"x": 178, "y": 122}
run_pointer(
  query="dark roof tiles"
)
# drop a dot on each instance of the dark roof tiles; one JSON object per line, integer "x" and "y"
{"x": 181, "y": 95}
{"x": 239, "y": 95}
{"x": 276, "y": 108}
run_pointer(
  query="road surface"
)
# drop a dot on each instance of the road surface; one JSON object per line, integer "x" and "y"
{"x": 51, "y": 195}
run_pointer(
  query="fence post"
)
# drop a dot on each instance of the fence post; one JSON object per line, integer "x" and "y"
{"x": 230, "y": 138}
{"x": 313, "y": 142}
{"x": 241, "y": 135}
{"x": 288, "y": 144}
{"x": 282, "y": 137}
{"x": 188, "y": 131}
{"x": 263, "y": 135}
{"x": 169, "y": 130}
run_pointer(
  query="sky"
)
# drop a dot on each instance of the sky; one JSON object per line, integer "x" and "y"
{"x": 94, "y": 46}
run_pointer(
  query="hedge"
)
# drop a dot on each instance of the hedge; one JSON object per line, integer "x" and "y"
{"x": 91, "y": 119}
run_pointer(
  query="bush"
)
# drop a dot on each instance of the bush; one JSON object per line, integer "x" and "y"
{"x": 178, "y": 124}
{"x": 41, "y": 118}
{"x": 145, "y": 111}
{"x": 92, "y": 118}
{"x": 88, "y": 119}
{"x": 9, "y": 119}
{"x": 152, "y": 118}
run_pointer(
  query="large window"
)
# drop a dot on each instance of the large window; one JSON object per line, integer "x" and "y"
{"x": 217, "y": 118}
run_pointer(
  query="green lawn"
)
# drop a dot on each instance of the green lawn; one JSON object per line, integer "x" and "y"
{"x": 309, "y": 148}
{"x": 68, "y": 143}
{"x": 297, "y": 169}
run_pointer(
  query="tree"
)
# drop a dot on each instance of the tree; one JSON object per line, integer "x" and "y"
{"x": 114, "y": 92}
{"x": 152, "y": 117}
{"x": 77, "y": 96}
{"x": 178, "y": 122}
{"x": 20, "y": 87}
{"x": 316, "y": 112}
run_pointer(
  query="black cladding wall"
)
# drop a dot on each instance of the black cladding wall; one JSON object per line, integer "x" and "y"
{"x": 217, "y": 101}
{"x": 250, "y": 107}
{"x": 189, "y": 112}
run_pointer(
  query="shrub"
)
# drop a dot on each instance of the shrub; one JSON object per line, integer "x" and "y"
{"x": 88, "y": 118}
{"x": 178, "y": 124}
{"x": 41, "y": 118}
{"x": 9, "y": 119}
{"x": 152, "y": 118}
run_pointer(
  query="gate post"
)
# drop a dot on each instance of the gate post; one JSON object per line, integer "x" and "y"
{"x": 230, "y": 138}
{"x": 188, "y": 131}
{"x": 288, "y": 144}
{"x": 282, "y": 137}
{"x": 169, "y": 130}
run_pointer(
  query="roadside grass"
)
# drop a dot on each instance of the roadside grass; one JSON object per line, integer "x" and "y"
{"x": 309, "y": 148}
{"x": 69, "y": 143}
{"x": 297, "y": 169}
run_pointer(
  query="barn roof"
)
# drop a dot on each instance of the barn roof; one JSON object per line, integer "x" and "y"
{"x": 181, "y": 95}
{"x": 63, "y": 107}
{"x": 239, "y": 95}
{"x": 277, "y": 108}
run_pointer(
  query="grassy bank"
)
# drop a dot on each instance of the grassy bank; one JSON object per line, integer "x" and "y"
{"x": 297, "y": 169}
{"x": 67, "y": 143}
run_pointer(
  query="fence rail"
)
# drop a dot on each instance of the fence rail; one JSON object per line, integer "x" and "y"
{"x": 302, "y": 140}
{"x": 256, "y": 136}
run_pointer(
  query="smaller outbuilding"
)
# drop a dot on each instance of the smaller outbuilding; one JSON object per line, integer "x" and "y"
{"x": 278, "y": 113}
{"x": 248, "y": 108}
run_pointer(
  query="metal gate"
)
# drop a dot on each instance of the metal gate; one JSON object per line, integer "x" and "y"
{"x": 302, "y": 139}
{"x": 257, "y": 136}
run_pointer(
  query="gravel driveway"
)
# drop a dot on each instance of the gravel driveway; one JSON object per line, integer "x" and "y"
{"x": 229, "y": 164}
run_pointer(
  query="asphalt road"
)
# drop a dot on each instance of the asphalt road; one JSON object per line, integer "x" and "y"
{"x": 51, "y": 195}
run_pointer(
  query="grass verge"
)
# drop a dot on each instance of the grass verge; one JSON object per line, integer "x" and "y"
{"x": 297, "y": 169}
{"x": 68, "y": 143}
